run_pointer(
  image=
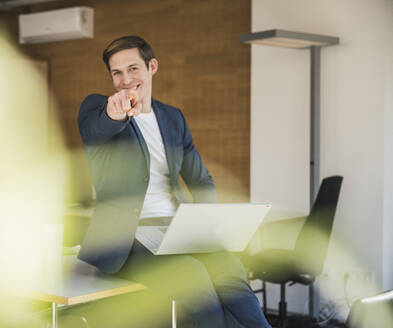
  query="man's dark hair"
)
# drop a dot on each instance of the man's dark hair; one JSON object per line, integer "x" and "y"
{"x": 129, "y": 42}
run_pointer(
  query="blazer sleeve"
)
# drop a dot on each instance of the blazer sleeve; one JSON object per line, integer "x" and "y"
{"x": 95, "y": 126}
{"x": 193, "y": 171}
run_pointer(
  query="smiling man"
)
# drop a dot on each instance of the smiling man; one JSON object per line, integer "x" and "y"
{"x": 137, "y": 147}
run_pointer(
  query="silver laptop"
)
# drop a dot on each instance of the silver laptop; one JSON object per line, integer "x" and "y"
{"x": 202, "y": 228}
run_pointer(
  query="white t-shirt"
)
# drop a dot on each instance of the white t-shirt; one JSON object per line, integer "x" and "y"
{"x": 158, "y": 200}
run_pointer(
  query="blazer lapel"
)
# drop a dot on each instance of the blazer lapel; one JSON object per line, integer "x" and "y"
{"x": 167, "y": 137}
{"x": 142, "y": 142}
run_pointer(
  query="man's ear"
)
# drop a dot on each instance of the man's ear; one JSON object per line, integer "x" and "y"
{"x": 153, "y": 65}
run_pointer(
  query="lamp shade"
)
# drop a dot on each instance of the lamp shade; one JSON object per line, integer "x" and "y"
{"x": 288, "y": 39}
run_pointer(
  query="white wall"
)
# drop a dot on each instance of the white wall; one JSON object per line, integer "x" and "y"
{"x": 388, "y": 169}
{"x": 356, "y": 125}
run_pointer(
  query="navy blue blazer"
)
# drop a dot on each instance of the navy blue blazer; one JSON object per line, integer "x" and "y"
{"x": 119, "y": 163}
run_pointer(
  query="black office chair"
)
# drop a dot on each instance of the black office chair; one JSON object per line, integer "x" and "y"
{"x": 304, "y": 263}
{"x": 375, "y": 311}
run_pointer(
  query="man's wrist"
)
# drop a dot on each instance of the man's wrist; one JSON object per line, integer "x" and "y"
{"x": 124, "y": 120}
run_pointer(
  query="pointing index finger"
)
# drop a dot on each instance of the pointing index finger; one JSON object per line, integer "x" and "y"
{"x": 132, "y": 95}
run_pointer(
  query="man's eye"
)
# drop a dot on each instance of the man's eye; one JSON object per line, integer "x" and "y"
{"x": 115, "y": 73}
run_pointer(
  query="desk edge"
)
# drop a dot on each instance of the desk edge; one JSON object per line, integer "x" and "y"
{"x": 88, "y": 297}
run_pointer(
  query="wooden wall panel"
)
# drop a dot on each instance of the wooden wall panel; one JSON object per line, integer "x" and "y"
{"x": 203, "y": 70}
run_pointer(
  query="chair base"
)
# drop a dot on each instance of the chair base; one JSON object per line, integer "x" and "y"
{"x": 282, "y": 305}
{"x": 292, "y": 320}
{"x": 299, "y": 321}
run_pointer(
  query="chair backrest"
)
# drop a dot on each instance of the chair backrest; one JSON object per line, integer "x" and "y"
{"x": 313, "y": 240}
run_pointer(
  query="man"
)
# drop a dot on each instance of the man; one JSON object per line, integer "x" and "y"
{"x": 136, "y": 148}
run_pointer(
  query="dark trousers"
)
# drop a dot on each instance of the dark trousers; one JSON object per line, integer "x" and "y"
{"x": 211, "y": 289}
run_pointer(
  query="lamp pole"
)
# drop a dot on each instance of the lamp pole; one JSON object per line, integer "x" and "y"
{"x": 315, "y": 119}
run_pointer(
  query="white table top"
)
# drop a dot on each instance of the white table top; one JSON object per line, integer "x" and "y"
{"x": 80, "y": 282}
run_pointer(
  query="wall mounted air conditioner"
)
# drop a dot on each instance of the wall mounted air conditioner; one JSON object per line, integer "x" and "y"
{"x": 57, "y": 25}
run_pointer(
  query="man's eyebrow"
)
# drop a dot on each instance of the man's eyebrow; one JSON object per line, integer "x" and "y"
{"x": 118, "y": 70}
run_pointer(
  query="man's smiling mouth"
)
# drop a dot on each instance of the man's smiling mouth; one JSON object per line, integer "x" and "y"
{"x": 136, "y": 87}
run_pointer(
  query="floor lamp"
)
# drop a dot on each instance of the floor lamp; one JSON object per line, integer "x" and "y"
{"x": 314, "y": 42}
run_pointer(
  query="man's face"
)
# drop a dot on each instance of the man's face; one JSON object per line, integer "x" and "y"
{"x": 129, "y": 71}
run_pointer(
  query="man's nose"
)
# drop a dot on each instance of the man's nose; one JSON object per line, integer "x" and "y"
{"x": 127, "y": 78}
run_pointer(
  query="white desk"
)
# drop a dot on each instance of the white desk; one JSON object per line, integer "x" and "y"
{"x": 80, "y": 282}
